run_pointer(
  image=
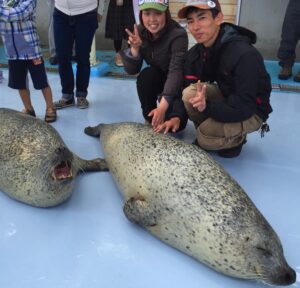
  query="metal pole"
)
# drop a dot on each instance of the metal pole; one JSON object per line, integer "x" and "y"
{"x": 237, "y": 19}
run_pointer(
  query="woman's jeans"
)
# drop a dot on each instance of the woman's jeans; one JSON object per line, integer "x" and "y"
{"x": 78, "y": 29}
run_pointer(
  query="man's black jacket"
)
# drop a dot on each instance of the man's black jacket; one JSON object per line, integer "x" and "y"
{"x": 238, "y": 69}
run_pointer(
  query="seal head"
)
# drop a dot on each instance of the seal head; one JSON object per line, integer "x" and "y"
{"x": 36, "y": 167}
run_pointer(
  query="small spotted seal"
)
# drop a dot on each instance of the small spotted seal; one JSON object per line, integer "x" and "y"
{"x": 185, "y": 198}
{"x": 36, "y": 167}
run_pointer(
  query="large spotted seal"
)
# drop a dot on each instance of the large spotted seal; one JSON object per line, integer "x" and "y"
{"x": 185, "y": 198}
{"x": 36, "y": 167}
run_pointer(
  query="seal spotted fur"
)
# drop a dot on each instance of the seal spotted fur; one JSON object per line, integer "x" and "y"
{"x": 185, "y": 198}
{"x": 36, "y": 167}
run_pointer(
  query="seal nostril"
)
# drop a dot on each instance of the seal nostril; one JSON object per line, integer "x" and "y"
{"x": 58, "y": 150}
{"x": 290, "y": 277}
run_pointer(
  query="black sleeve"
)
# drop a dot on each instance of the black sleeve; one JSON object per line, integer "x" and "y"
{"x": 173, "y": 84}
{"x": 189, "y": 74}
{"x": 178, "y": 110}
{"x": 241, "y": 103}
{"x": 132, "y": 65}
{"x": 192, "y": 66}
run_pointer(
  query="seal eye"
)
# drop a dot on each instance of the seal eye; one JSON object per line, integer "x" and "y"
{"x": 264, "y": 252}
{"x": 62, "y": 171}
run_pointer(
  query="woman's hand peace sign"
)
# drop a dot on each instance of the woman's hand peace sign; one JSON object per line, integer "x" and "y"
{"x": 134, "y": 40}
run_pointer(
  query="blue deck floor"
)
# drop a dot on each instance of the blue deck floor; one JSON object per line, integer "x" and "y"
{"x": 88, "y": 242}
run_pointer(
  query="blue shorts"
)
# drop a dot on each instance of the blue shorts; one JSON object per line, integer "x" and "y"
{"x": 18, "y": 73}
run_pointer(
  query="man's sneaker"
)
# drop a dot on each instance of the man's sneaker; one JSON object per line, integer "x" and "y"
{"x": 285, "y": 72}
{"x": 63, "y": 103}
{"x": 232, "y": 152}
{"x": 82, "y": 103}
{"x": 297, "y": 77}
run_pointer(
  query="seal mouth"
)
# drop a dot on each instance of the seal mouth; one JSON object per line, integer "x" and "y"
{"x": 62, "y": 171}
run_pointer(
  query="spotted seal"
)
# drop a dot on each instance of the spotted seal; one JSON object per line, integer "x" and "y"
{"x": 36, "y": 167}
{"x": 186, "y": 199}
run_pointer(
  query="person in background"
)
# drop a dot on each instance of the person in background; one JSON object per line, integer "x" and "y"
{"x": 22, "y": 46}
{"x": 162, "y": 43}
{"x": 228, "y": 89}
{"x": 74, "y": 23}
{"x": 120, "y": 16}
{"x": 290, "y": 36}
{"x": 93, "y": 56}
{"x": 52, "y": 52}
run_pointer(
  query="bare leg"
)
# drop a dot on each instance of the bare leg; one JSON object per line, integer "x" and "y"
{"x": 50, "y": 110}
{"x": 47, "y": 92}
{"x": 25, "y": 96}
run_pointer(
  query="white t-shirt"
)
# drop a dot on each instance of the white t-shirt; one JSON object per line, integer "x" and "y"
{"x": 75, "y": 7}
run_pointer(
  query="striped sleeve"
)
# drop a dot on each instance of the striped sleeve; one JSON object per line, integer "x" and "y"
{"x": 21, "y": 12}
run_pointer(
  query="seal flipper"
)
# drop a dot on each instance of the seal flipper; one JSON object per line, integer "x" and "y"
{"x": 97, "y": 164}
{"x": 92, "y": 131}
{"x": 139, "y": 211}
